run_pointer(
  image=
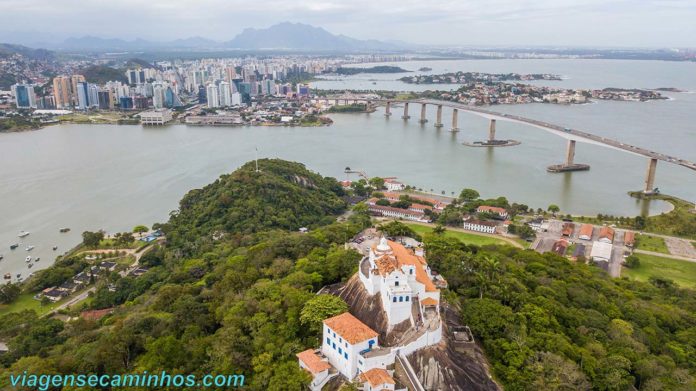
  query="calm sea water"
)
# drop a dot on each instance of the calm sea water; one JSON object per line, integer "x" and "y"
{"x": 89, "y": 177}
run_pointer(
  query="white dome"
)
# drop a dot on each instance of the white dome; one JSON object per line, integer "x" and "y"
{"x": 383, "y": 245}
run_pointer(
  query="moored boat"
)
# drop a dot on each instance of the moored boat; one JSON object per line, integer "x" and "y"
{"x": 29, "y": 248}
{"x": 55, "y": 248}
{"x": 14, "y": 246}
{"x": 64, "y": 230}
{"x": 7, "y": 276}
{"x": 23, "y": 234}
{"x": 27, "y": 259}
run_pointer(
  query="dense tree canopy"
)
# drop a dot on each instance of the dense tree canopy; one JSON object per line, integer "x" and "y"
{"x": 234, "y": 291}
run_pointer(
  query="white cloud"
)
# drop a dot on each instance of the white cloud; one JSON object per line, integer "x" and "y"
{"x": 463, "y": 22}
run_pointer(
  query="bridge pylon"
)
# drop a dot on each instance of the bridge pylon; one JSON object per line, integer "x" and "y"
{"x": 422, "y": 114}
{"x": 438, "y": 118}
{"x": 406, "y": 116}
{"x": 455, "y": 120}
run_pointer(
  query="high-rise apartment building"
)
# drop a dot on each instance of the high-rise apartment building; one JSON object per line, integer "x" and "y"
{"x": 62, "y": 92}
{"x": 24, "y": 96}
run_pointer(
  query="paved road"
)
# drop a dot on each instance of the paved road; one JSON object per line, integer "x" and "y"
{"x": 663, "y": 255}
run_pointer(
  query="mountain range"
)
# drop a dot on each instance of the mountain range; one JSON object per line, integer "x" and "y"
{"x": 282, "y": 36}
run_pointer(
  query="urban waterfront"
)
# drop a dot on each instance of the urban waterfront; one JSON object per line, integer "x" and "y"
{"x": 89, "y": 177}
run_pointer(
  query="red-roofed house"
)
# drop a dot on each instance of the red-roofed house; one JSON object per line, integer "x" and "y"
{"x": 344, "y": 337}
{"x": 377, "y": 379}
{"x": 317, "y": 366}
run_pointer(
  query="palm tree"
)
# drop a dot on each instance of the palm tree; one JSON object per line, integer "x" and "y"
{"x": 439, "y": 229}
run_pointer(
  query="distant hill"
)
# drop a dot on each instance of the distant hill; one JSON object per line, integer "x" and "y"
{"x": 298, "y": 36}
{"x": 100, "y": 74}
{"x": 7, "y": 49}
{"x": 100, "y": 44}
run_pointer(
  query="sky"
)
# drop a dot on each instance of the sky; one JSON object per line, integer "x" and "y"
{"x": 589, "y": 23}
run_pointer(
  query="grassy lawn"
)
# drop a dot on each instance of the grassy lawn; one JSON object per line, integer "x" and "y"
{"x": 651, "y": 243}
{"x": 26, "y": 302}
{"x": 463, "y": 236}
{"x": 681, "y": 272}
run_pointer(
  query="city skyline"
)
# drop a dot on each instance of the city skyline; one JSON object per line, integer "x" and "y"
{"x": 577, "y": 23}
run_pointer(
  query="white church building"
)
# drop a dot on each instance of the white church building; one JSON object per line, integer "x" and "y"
{"x": 400, "y": 277}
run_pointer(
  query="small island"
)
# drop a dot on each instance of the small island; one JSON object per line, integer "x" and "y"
{"x": 375, "y": 69}
{"x": 475, "y": 77}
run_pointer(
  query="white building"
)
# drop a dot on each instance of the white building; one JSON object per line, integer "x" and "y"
{"x": 317, "y": 366}
{"x": 398, "y": 213}
{"x": 400, "y": 277}
{"x": 343, "y": 339}
{"x": 155, "y": 117}
{"x": 501, "y": 212}
{"x": 158, "y": 96}
{"x": 393, "y": 185}
{"x": 236, "y": 99}
{"x": 225, "y": 94}
{"x": 377, "y": 379}
{"x": 601, "y": 252}
{"x": 480, "y": 226}
{"x": 213, "y": 96}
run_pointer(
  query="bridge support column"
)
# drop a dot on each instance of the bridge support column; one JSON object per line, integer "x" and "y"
{"x": 422, "y": 117}
{"x": 406, "y": 116}
{"x": 650, "y": 177}
{"x": 387, "y": 111}
{"x": 491, "y": 131}
{"x": 455, "y": 120}
{"x": 570, "y": 153}
{"x": 438, "y": 120}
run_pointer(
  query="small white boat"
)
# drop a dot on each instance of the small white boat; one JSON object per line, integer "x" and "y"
{"x": 37, "y": 259}
{"x": 29, "y": 248}
{"x": 27, "y": 259}
{"x": 23, "y": 234}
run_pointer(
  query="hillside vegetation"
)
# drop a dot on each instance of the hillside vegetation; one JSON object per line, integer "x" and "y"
{"x": 234, "y": 291}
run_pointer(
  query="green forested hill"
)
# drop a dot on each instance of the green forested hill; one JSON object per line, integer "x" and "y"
{"x": 282, "y": 195}
{"x": 234, "y": 291}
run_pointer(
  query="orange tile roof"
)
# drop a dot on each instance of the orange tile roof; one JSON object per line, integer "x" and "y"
{"x": 586, "y": 230}
{"x": 629, "y": 237}
{"x": 376, "y": 377}
{"x": 429, "y": 301}
{"x": 312, "y": 361}
{"x": 494, "y": 209}
{"x": 385, "y": 264}
{"x": 350, "y": 328}
{"x": 405, "y": 257}
{"x": 606, "y": 232}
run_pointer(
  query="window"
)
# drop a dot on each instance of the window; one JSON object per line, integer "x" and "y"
{"x": 396, "y": 283}
{"x": 346, "y": 344}
{"x": 340, "y": 350}
{"x": 345, "y": 355}
{"x": 334, "y": 346}
{"x": 394, "y": 299}
{"x": 410, "y": 271}
{"x": 328, "y": 341}
{"x": 401, "y": 298}
{"x": 340, "y": 339}
{"x": 407, "y": 298}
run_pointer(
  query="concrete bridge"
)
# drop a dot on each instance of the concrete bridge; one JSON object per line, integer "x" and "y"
{"x": 572, "y": 135}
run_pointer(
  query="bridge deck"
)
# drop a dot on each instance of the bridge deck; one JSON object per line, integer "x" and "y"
{"x": 561, "y": 130}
